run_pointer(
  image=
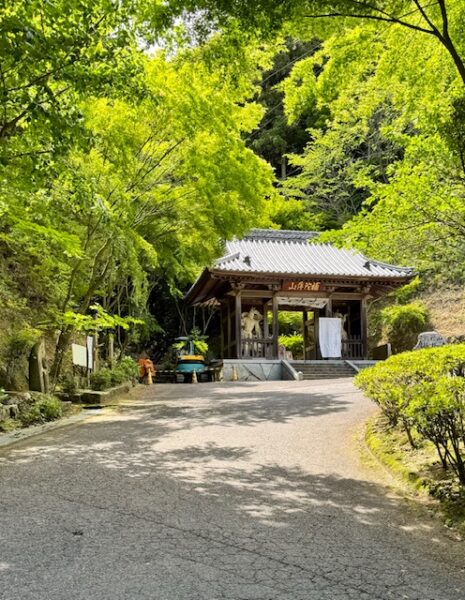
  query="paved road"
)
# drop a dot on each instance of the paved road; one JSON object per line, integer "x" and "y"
{"x": 225, "y": 491}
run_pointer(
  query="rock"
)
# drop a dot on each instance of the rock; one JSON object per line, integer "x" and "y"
{"x": 430, "y": 339}
{"x": 8, "y": 411}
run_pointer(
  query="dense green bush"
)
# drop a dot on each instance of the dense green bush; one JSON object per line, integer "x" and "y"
{"x": 69, "y": 385}
{"x": 101, "y": 380}
{"x": 424, "y": 392}
{"x": 124, "y": 370}
{"x": 290, "y": 322}
{"x": 45, "y": 408}
{"x": 294, "y": 343}
{"x": 402, "y": 323}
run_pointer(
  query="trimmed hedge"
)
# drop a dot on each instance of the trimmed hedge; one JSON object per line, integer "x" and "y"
{"x": 424, "y": 392}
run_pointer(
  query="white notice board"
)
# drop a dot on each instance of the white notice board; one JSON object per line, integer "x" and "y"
{"x": 79, "y": 355}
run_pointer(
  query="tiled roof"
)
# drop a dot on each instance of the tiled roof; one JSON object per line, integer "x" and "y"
{"x": 290, "y": 253}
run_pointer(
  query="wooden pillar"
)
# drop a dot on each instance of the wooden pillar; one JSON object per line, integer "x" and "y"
{"x": 364, "y": 326}
{"x": 222, "y": 330}
{"x": 266, "y": 326}
{"x": 228, "y": 328}
{"x": 329, "y": 308}
{"x": 237, "y": 314}
{"x": 316, "y": 321}
{"x": 275, "y": 326}
{"x": 305, "y": 319}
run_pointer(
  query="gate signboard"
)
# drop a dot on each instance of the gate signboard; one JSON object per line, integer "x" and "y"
{"x": 302, "y": 286}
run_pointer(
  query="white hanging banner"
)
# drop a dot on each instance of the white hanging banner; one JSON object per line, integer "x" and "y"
{"x": 330, "y": 337}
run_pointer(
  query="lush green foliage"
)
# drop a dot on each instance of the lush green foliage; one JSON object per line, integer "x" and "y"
{"x": 118, "y": 166}
{"x": 386, "y": 90}
{"x": 40, "y": 410}
{"x": 289, "y": 322}
{"x": 424, "y": 391}
{"x": 402, "y": 323}
{"x": 294, "y": 343}
{"x": 122, "y": 167}
{"x": 124, "y": 370}
{"x": 291, "y": 336}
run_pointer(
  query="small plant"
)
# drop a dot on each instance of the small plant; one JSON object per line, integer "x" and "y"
{"x": 294, "y": 343}
{"x": 69, "y": 385}
{"x": 201, "y": 347}
{"x": 45, "y": 408}
{"x": 7, "y": 425}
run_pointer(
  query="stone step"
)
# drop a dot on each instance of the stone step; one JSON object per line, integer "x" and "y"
{"x": 322, "y": 370}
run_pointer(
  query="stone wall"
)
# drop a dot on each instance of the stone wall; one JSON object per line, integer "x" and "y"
{"x": 257, "y": 370}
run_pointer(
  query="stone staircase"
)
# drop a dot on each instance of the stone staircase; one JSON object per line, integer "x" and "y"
{"x": 323, "y": 369}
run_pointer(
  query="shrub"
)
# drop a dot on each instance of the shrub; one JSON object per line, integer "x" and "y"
{"x": 69, "y": 385}
{"x": 101, "y": 380}
{"x": 402, "y": 324}
{"x": 45, "y": 408}
{"x": 125, "y": 370}
{"x": 294, "y": 343}
{"x": 424, "y": 391}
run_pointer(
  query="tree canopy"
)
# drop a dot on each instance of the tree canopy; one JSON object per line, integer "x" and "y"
{"x": 136, "y": 135}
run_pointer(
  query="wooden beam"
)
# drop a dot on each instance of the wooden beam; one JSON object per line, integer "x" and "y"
{"x": 341, "y": 295}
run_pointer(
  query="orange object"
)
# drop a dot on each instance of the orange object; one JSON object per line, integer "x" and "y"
{"x": 146, "y": 366}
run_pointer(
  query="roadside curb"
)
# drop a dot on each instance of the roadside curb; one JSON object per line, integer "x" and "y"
{"x": 8, "y": 439}
{"x": 11, "y": 438}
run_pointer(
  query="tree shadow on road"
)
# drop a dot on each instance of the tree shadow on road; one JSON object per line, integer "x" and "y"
{"x": 258, "y": 522}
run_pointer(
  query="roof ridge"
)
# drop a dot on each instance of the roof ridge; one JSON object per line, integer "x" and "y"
{"x": 227, "y": 258}
{"x": 279, "y": 235}
{"x": 385, "y": 264}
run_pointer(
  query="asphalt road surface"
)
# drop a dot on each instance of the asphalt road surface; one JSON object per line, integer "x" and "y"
{"x": 216, "y": 491}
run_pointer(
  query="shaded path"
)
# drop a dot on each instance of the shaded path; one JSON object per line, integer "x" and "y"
{"x": 245, "y": 491}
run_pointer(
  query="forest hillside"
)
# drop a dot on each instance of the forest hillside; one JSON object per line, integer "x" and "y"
{"x": 136, "y": 136}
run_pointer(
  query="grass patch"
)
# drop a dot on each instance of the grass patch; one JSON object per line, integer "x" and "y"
{"x": 418, "y": 468}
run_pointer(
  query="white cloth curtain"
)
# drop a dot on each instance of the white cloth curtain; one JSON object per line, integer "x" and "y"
{"x": 330, "y": 337}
